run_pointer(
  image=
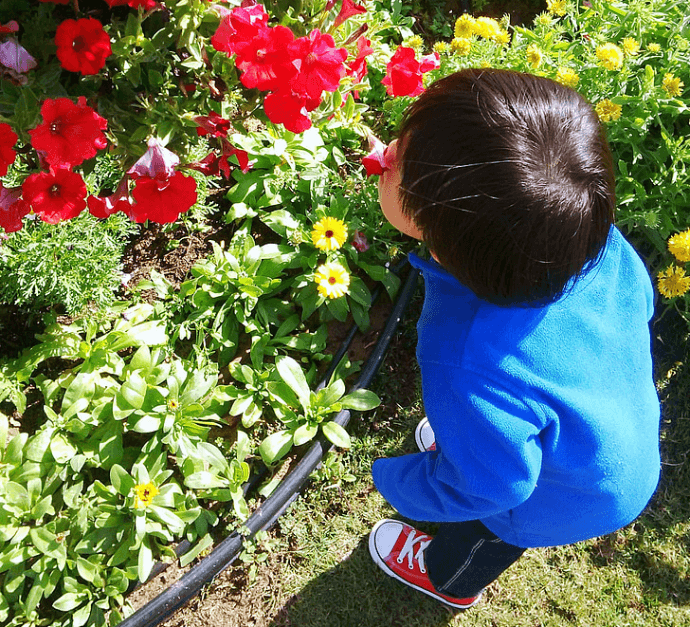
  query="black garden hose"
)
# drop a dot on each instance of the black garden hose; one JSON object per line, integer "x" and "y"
{"x": 189, "y": 585}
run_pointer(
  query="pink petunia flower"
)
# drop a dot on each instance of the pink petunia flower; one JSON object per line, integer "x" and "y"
{"x": 376, "y": 162}
{"x": 347, "y": 10}
{"x": 157, "y": 162}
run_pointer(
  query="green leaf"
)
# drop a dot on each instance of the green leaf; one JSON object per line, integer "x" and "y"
{"x": 291, "y": 372}
{"x": 121, "y": 480}
{"x": 205, "y": 543}
{"x": 336, "y": 434}
{"x": 304, "y": 433}
{"x": 144, "y": 561}
{"x": 70, "y": 601}
{"x": 331, "y": 393}
{"x": 61, "y": 449}
{"x": 146, "y": 424}
{"x": 360, "y": 400}
{"x": 205, "y": 480}
{"x": 133, "y": 390}
{"x": 275, "y": 446}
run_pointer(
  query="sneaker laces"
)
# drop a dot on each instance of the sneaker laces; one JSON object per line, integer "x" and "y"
{"x": 408, "y": 550}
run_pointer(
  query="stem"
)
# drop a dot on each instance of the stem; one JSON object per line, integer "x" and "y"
{"x": 75, "y": 4}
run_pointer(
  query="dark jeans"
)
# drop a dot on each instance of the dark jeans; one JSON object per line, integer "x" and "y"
{"x": 464, "y": 558}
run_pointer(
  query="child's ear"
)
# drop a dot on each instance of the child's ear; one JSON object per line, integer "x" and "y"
{"x": 391, "y": 154}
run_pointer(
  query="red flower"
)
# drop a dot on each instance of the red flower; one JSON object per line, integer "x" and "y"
{"x": 403, "y": 74}
{"x": 213, "y": 124}
{"x": 162, "y": 201}
{"x": 320, "y": 64}
{"x": 12, "y": 209}
{"x": 213, "y": 165}
{"x": 82, "y": 45}
{"x": 8, "y": 138}
{"x": 104, "y": 206}
{"x": 70, "y": 133}
{"x": 10, "y": 27}
{"x": 347, "y": 10}
{"x": 288, "y": 109}
{"x": 55, "y": 195}
{"x": 264, "y": 61}
{"x": 238, "y": 28}
{"x": 135, "y": 4}
{"x": 157, "y": 162}
{"x": 429, "y": 62}
{"x": 358, "y": 68}
{"x": 376, "y": 162}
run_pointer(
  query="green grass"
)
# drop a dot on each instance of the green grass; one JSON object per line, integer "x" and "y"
{"x": 320, "y": 572}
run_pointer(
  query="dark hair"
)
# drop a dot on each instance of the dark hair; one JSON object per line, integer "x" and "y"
{"x": 510, "y": 179}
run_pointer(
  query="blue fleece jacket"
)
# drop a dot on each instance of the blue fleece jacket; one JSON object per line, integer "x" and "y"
{"x": 546, "y": 418}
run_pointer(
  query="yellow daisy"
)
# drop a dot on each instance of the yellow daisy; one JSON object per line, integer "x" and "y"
{"x": 332, "y": 280}
{"x": 608, "y": 111}
{"x": 672, "y": 282}
{"x": 630, "y": 46}
{"x": 653, "y": 47}
{"x": 487, "y": 27}
{"x": 441, "y": 47}
{"x": 610, "y": 55}
{"x": 534, "y": 55}
{"x": 567, "y": 77}
{"x": 461, "y": 46}
{"x": 144, "y": 494}
{"x": 415, "y": 41}
{"x": 557, "y": 7}
{"x": 464, "y": 26}
{"x": 544, "y": 20}
{"x": 679, "y": 246}
{"x": 329, "y": 233}
{"x": 672, "y": 85}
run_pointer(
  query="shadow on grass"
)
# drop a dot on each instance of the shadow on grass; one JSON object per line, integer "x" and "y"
{"x": 357, "y": 593}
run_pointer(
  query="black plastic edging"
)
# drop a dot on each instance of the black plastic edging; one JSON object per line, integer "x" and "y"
{"x": 189, "y": 585}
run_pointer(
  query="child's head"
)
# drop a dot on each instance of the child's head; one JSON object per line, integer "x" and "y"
{"x": 508, "y": 178}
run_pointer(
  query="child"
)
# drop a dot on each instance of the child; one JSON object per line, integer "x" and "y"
{"x": 534, "y": 344}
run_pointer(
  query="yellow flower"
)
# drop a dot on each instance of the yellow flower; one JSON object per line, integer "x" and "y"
{"x": 461, "y": 46}
{"x": 607, "y": 110}
{"x": 464, "y": 26}
{"x": 173, "y": 405}
{"x": 610, "y": 55}
{"x": 631, "y": 46}
{"x": 441, "y": 47}
{"x": 332, "y": 280}
{"x": 557, "y": 7}
{"x": 487, "y": 27}
{"x": 679, "y": 246}
{"x": 502, "y": 37}
{"x": 329, "y": 234}
{"x": 415, "y": 41}
{"x": 567, "y": 77}
{"x": 543, "y": 19}
{"x": 144, "y": 494}
{"x": 534, "y": 56}
{"x": 654, "y": 47}
{"x": 672, "y": 282}
{"x": 672, "y": 85}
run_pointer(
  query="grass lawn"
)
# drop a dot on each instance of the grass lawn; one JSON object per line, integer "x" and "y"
{"x": 318, "y": 571}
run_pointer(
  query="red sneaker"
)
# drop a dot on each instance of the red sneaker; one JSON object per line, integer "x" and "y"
{"x": 424, "y": 436}
{"x": 399, "y": 550}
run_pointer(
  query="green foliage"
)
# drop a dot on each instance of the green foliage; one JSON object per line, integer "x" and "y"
{"x": 75, "y": 263}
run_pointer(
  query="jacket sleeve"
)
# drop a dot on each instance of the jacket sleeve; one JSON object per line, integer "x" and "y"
{"x": 488, "y": 452}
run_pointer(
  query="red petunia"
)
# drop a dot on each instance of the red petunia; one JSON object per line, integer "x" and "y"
{"x": 103, "y": 206}
{"x": 288, "y": 109}
{"x": 403, "y": 74}
{"x": 10, "y": 27}
{"x": 212, "y": 124}
{"x": 56, "y": 195}
{"x": 82, "y": 45}
{"x": 8, "y": 138}
{"x": 135, "y": 4}
{"x": 376, "y": 162}
{"x": 238, "y": 28}
{"x": 347, "y": 10}
{"x": 319, "y": 63}
{"x": 429, "y": 62}
{"x": 358, "y": 68}
{"x": 162, "y": 201}
{"x": 12, "y": 209}
{"x": 70, "y": 133}
{"x": 264, "y": 62}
